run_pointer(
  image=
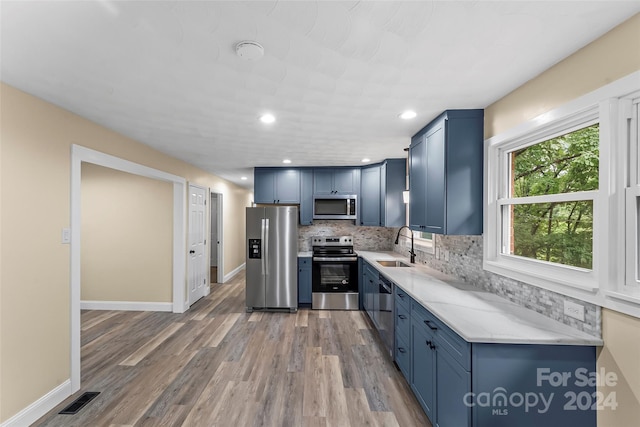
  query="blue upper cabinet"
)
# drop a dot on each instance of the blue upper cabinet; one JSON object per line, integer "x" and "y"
{"x": 306, "y": 196}
{"x": 276, "y": 185}
{"x": 446, "y": 174}
{"x": 370, "y": 196}
{"x": 381, "y": 194}
{"x": 393, "y": 175}
{"x": 336, "y": 181}
{"x": 417, "y": 182}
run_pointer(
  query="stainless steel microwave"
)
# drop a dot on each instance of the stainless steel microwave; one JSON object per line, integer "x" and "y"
{"x": 335, "y": 206}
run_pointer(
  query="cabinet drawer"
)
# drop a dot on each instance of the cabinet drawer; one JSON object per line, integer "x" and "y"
{"x": 403, "y": 321}
{"x": 402, "y": 297}
{"x": 424, "y": 316}
{"x": 402, "y": 353}
{"x": 448, "y": 340}
{"x": 304, "y": 262}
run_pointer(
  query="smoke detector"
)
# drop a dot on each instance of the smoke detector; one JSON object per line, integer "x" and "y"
{"x": 249, "y": 50}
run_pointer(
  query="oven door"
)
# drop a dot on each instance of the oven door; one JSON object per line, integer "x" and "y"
{"x": 334, "y": 284}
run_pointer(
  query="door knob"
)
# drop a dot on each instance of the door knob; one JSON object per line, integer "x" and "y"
{"x": 192, "y": 252}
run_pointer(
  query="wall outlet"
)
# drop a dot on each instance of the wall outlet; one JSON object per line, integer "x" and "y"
{"x": 574, "y": 310}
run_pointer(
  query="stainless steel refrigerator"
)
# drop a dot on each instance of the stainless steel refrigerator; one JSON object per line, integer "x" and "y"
{"x": 272, "y": 258}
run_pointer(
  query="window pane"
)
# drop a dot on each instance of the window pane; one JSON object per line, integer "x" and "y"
{"x": 564, "y": 164}
{"x": 422, "y": 235}
{"x": 556, "y": 232}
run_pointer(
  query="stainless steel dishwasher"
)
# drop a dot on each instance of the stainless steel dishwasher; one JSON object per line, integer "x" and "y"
{"x": 385, "y": 313}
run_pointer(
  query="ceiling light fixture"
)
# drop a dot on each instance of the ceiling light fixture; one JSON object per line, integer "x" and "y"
{"x": 366, "y": 160}
{"x": 244, "y": 178}
{"x": 267, "y": 118}
{"x": 287, "y": 161}
{"x": 407, "y": 115}
{"x": 249, "y": 50}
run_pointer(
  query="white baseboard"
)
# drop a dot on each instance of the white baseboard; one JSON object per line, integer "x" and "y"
{"x": 126, "y": 305}
{"x": 232, "y": 273}
{"x": 37, "y": 409}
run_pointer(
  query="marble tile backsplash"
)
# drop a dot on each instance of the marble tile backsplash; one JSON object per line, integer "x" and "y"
{"x": 365, "y": 238}
{"x": 461, "y": 257}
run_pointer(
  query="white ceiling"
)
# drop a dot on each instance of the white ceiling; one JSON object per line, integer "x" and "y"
{"x": 335, "y": 74}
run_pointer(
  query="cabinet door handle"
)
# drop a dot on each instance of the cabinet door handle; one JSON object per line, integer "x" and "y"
{"x": 401, "y": 296}
{"x": 402, "y": 316}
{"x": 430, "y": 344}
{"x": 402, "y": 350}
{"x": 428, "y": 323}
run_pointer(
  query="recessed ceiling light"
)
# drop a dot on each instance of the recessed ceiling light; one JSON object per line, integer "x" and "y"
{"x": 365, "y": 160}
{"x": 286, "y": 161}
{"x": 244, "y": 178}
{"x": 249, "y": 50}
{"x": 267, "y": 118}
{"x": 407, "y": 115}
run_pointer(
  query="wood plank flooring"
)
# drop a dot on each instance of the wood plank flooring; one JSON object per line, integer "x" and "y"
{"x": 217, "y": 365}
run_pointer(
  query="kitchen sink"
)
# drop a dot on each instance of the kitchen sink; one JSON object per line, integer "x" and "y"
{"x": 388, "y": 263}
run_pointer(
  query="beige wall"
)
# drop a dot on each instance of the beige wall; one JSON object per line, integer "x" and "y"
{"x": 608, "y": 58}
{"x": 611, "y": 57}
{"x": 127, "y": 236}
{"x": 34, "y": 281}
{"x": 621, "y": 356}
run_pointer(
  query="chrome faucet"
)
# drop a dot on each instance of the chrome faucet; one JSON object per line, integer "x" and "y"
{"x": 412, "y": 252}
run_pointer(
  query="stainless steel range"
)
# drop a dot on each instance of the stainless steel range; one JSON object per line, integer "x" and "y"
{"x": 335, "y": 273}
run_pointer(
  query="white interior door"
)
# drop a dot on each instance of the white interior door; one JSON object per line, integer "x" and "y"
{"x": 214, "y": 230}
{"x": 197, "y": 265}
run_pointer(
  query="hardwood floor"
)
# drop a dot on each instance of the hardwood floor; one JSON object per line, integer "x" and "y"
{"x": 217, "y": 365}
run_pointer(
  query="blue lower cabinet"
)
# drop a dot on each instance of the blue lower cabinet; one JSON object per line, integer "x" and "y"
{"x": 462, "y": 384}
{"x": 423, "y": 369}
{"x": 534, "y": 385}
{"x": 304, "y": 280}
{"x": 453, "y": 383}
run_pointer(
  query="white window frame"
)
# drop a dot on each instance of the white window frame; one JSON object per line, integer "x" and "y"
{"x": 605, "y": 283}
{"x": 632, "y": 202}
{"x": 533, "y": 271}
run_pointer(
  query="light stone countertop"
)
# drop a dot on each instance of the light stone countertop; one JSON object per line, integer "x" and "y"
{"x": 305, "y": 254}
{"x": 476, "y": 315}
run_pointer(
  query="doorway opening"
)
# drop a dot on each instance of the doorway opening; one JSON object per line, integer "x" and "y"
{"x": 216, "y": 270}
{"x": 79, "y": 155}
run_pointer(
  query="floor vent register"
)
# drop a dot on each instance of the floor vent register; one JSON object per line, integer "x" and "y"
{"x": 79, "y": 403}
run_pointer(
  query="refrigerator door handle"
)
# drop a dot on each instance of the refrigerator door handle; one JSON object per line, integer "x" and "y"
{"x": 264, "y": 247}
{"x": 266, "y": 256}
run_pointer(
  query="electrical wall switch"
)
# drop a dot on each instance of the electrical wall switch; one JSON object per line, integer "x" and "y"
{"x": 66, "y": 236}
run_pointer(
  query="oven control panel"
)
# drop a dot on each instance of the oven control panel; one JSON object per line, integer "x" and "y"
{"x": 332, "y": 241}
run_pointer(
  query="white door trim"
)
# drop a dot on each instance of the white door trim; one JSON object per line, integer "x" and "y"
{"x": 81, "y": 154}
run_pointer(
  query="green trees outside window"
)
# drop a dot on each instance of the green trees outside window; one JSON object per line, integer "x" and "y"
{"x": 556, "y": 231}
